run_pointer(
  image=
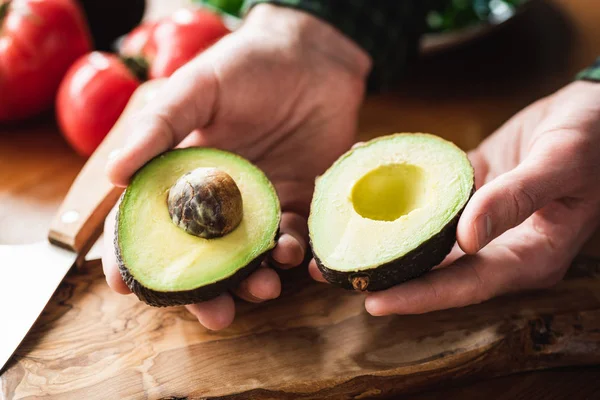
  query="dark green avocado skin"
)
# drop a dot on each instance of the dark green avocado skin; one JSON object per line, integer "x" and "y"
{"x": 167, "y": 299}
{"x": 410, "y": 266}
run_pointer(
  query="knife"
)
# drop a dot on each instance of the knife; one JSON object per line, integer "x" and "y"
{"x": 29, "y": 274}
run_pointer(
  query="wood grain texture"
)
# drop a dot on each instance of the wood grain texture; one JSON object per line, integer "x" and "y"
{"x": 559, "y": 384}
{"x": 317, "y": 341}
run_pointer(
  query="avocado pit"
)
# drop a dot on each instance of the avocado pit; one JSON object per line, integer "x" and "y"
{"x": 206, "y": 202}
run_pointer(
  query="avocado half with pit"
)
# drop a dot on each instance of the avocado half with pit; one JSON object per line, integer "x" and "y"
{"x": 387, "y": 211}
{"x": 192, "y": 224}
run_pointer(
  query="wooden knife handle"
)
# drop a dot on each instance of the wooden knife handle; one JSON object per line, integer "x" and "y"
{"x": 80, "y": 217}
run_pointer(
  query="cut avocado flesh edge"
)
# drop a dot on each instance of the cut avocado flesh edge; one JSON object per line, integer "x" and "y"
{"x": 157, "y": 255}
{"x": 381, "y": 204}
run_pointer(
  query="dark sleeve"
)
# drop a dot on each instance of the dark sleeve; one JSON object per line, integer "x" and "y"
{"x": 591, "y": 73}
{"x": 389, "y": 30}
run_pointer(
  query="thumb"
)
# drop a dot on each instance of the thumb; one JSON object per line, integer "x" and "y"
{"x": 185, "y": 102}
{"x": 507, "y": 201}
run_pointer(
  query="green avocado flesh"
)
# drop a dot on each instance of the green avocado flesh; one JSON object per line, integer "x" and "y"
{"x": 387, "y": 211}
{"x": 165, "y": 265}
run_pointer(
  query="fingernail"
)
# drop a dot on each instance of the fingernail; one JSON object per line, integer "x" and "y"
{"x": 243, "y": 292}
{"x": 286, "y": 255}
{"x": 372, "y": 305}
{"x": 483, "y": 229}
{"x": 114, "y": 154}
{"x": 244, "y": 289}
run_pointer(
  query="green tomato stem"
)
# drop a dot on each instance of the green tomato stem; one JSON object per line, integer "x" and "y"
{"x": 137, "y": 65}
{"x": 4, "y": 11}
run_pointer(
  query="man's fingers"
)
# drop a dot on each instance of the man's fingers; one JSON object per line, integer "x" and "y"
{"x": 455, "y": 286}
{"x": 533, "y": 255}
{"x": 470, "y": 280}
{"x": 186, "y": 102}
{"x": 507, "y": 201}
{"x": 314, "y": 272}
{"x": 263, "y": 284}
{"x": 292, "y": 242}
{"x": 289, "y": 252}
{"x": 214, "y": 314}
{"x": 109, "y": 261}
{"x": 454, "y": 255}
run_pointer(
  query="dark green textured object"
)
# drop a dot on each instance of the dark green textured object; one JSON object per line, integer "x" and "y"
{"x": 453, "y": 15}
{"x": 232, "y": 7}
{"x": 591, "y": 74}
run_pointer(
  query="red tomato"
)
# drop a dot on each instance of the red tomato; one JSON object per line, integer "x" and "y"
{"x": 134, "y": 42}
{"x": 39, "y": 40}
{"x": 91, "y": 98}
{"x": 173, "y": 41}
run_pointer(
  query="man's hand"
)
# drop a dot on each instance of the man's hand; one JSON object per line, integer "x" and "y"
{"x": 538, "y": 200}
{"x": 284, "y": 92}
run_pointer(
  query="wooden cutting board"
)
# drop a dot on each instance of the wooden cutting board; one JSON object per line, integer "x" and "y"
{"x": 314, "y": 342}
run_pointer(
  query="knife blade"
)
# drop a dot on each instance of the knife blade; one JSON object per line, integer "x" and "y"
{"x": 30, "y": 274}
{"x": 20, "y": 305}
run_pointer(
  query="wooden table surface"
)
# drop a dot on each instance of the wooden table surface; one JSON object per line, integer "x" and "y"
{"x": 462, "y": 94}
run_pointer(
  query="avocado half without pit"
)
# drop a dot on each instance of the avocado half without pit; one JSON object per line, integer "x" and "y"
{"x": 387, "y": 211}
{"x": 192, "y": 224}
